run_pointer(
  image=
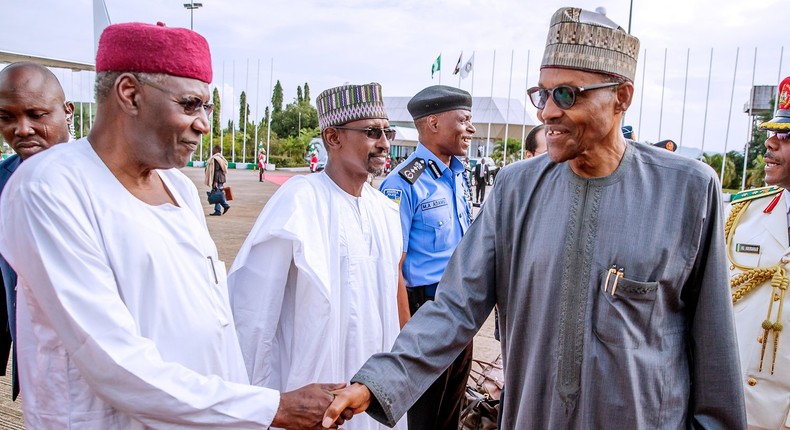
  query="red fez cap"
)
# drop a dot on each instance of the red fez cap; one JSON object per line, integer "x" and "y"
{"x": 145, "y": 48}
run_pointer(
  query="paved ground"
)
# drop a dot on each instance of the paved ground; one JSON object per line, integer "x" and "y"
{"x": 229, "y": 231}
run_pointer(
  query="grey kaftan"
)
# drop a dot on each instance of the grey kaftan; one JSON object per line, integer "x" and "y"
{"x": 658, "y": 353}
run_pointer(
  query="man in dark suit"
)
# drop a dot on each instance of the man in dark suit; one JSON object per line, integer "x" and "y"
{"x": 480, "y": 172}
{"x": 34, "y": 115}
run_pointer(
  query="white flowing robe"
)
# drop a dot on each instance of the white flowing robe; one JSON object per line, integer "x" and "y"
{"x": 314, "y": 287}
{"x": 123, "y": 314}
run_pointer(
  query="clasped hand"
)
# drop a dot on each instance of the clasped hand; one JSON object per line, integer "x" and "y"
{"x": 347, "y": 402}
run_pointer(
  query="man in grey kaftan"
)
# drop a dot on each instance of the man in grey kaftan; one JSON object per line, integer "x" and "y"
{"x": 577, "y": 356}
{"x": 606, "y": 259}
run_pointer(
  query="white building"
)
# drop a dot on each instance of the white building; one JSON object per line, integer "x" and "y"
{"x": 490, "y": 117}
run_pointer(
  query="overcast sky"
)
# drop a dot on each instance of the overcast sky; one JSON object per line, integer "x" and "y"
{"x": 331, "y": 42}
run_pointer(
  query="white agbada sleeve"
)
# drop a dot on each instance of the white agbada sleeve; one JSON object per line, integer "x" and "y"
{"x": 51, "y": 238}
{"x": 275, "y": 254}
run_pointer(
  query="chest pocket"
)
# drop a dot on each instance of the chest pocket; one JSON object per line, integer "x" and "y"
{"x": 438, "y": 222}
{"x": 622, "y": 319}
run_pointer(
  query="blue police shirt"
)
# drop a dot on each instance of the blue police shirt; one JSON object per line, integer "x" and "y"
{"x": 434, "y": 213}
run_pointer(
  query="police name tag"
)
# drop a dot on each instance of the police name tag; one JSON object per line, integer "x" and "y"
{"x": 433, "y": 204}
{"x": 749, "y": 249}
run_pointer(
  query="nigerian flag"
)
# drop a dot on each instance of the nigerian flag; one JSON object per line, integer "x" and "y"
{"x": 437, "y": 65}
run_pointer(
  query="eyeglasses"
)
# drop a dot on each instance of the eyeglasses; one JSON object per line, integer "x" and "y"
{"x": 779, "y": 135}
{"x": 371, "y": 132}
{"x": 564, "y": 96}
{"x": 191, "y": 104}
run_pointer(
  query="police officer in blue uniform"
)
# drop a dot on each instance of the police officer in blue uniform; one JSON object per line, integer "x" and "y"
{"x": 434, "y": 197}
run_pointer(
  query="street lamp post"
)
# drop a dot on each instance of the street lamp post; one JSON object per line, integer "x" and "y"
{"x": 192, "y": 6}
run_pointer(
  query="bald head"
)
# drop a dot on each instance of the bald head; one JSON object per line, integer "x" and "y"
{"x": 33, "y": 112}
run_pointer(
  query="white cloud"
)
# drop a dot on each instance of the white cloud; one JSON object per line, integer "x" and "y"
{"x": 330, "y": 42}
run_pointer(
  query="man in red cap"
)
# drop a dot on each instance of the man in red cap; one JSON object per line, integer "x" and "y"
{"x": 123, "y": 313}
{"x": 759, "y": 257}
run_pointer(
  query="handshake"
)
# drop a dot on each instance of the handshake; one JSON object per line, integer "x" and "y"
{"x": 321, "y": 406}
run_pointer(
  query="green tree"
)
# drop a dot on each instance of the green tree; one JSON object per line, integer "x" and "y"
{"x": 299, "y": 95}
{"x": 215, "y": 114}
{"x": 757, "y": 144}
{"x": 755, "y": 175}
{"x": 277, "y": 97}
{"x": 737, "y": 160}
{"x": 513, "y": 149}
{"x": 714, "y": 161}
{"x": 84, "y": 113}
{"x": 244, "y": 111}
{"x": 306, "y": 93}
{"x": 286, "y": 123}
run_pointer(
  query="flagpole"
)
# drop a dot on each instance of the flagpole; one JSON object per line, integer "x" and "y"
{"x": 707, "y": 100}
{"x": 490, "y": 102}
{"x": 232, "y": 106}
{"x": 440, "y": 68}
{"x": 472, "y": 91}
{"x": 271, "y": 108}
{"x": 257, "y": 111}
{"x": 507, "y": 112}
{"x": 778, "y": 79}
{"x": 457, "y": 69}
{"x": 685, "y": 88}
{"x": 751, "y": 123}
{"x": 246, "y": 104}
{"x": 222, "y": 99}
{"x": 663, "y": 87}
{"x": 524, "y": 120}
{"x": 729, "y": 117}
{"x": 641, "y": 96}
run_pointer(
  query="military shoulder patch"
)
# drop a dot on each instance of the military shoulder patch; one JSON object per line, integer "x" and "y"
{"x": 755, "y": 193}
{"x": 412, "y": 170}
{"x": 393, "y": 194}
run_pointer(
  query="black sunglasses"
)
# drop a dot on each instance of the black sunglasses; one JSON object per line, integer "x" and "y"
{"x": 781, "y": 135}
{"x": 564, "y": 96}
{"x": 191, "y": 104}
{"x": 371, "y": 132}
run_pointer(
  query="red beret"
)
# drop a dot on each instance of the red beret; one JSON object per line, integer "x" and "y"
{"x": 145, "y": 48}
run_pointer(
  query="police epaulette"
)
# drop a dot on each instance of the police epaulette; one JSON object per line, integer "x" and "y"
{"x": 435, "y": 170}
{"x": 755, "y": 193}
{"x": 412, "y": 170}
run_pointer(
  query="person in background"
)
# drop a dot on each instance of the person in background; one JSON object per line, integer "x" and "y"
{"x": 535, "y": 143}
{"x": 261, "y": 165}
{"x": 481, "y": 178}
{"x": 34, "y": 116}
{"x": 669, "y": 145}
{"x": 216, "y": 176}
{"x": 314, "y": 162}
{"x": 759, "y": 257}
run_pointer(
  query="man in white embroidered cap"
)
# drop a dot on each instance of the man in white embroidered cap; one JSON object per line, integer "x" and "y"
{"x": 314, "y": 288}
{"x": 610, "y": 316}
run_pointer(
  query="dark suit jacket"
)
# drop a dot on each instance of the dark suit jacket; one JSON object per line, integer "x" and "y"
{"x": 480, "y": 170}
{"x": 8, "y": 299}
